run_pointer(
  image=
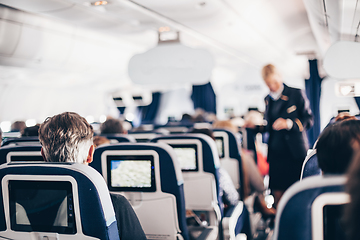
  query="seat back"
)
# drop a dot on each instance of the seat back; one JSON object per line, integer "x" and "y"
{"x": 306, "y": 210}
{"x": 12, "y": 153}
{"x": 230, "y": 157}
{"x": 143, "y": 136}
{"x": 310, "y": 166}
{"x": 118, "y": 138}
{"x": 149, "y": 177}
{"x": 198, "y": 156}
{"x": 49, "y": 200}
{"x": 20, "y": 141}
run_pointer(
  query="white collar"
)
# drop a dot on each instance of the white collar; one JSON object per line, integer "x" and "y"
{"x": 276, "y": 95}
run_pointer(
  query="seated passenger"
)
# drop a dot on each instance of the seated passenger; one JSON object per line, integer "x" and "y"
{"x": 30, "y": 131}
{"x": 351, "y": 212}
{"x": 100, "y": 140}
{"x": 336, "y": 146}
{"x": 68, "y": 137}
{"x": 344, "y": 116}
{"x": 18, "y": 126}
{"x": 228, "y": 191}
{"x": 253, "y": 180}
{"x": 111, "y": 126}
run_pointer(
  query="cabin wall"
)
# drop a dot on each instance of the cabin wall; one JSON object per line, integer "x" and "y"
{"x": 330, "y": 103}
{"x": 175, "y": 103}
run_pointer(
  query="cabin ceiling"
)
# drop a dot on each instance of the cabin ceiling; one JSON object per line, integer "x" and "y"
{"x": 97, "y": 42}
{"x": 333, "y": 21}
{"x": 251, "y": 33}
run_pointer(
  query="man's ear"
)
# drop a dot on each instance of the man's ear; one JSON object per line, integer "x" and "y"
{"x": 43, "y": 154}
{"x": 90, "y": 156}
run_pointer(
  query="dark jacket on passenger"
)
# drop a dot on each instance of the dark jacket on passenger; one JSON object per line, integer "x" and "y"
{"x": 294, "y": 105}
{"x": 128, "y": 224}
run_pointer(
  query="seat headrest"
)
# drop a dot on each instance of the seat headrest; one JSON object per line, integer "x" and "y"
{"x": 294, "y": 213}
{"x": 94, "y": 203}
{"x": 29, "y": 150}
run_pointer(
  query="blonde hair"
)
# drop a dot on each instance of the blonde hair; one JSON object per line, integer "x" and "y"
{"x": 226, "y": 124}
{"x": 268, "y": 70}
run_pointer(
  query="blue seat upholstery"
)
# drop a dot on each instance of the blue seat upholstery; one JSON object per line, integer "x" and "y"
{"x": 119, "y": 138}
{"x": 310, "y": 166}
{"x": 300, "y": 212}
{"x": 232, "y": 151}
{"x": 143, "y": 136}
{"x": 21, "y": 141}
{"x": 169, "y": 184}
{"x": 27, "y": 153}
{"x": 89, "y": 204}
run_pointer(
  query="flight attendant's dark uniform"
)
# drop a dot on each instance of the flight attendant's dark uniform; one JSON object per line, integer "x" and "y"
{"x": 287, "y": 148}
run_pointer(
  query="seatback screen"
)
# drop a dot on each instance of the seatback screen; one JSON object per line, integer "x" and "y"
{"x": 41, "y": 206}
{"x": 26, "y": 158}
{"x": 220, "y": 146}
{"x": 131, "y": 173}
{"x": 333, "y": 228}
{"x": 187, "y": 156}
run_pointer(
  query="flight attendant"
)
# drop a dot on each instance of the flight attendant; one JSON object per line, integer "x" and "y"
{"x": 288, "y": 116}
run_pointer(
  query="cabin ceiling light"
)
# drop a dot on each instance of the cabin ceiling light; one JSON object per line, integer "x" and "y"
{"x": 99, "y": 3}
{"x": 90, "y": 119}
{"x": 164, "y": 29}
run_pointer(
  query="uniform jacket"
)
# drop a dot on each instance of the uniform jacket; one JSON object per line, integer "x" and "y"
{"x": 294, "y": 105}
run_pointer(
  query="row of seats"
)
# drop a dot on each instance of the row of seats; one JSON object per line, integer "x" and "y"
{"x": 312, "y": 207}
{"x": 168, "y": 186}
{"x": 227, "y": 147}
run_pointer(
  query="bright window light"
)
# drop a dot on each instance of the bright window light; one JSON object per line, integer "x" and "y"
{"x": 5, "y": 126}
{"x": 346, "y": 90}
{"x": 90, "y": 119}
{"x": 102, "y": 118}
{"x": 130, "y": 117}
{"x": 30, "y": 122}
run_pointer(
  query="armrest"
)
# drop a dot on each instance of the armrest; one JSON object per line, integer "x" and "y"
{"x": 236, "y": 221}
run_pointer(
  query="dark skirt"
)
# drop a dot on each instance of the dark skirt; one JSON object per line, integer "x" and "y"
{"x": 284, "y": 172}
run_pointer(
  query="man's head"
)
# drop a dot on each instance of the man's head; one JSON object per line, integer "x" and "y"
{"x": 66, "y": 137}
{"x": 112, "y": 126}
{"x": 272, "y": 77}
{"x": 336, "y": 146}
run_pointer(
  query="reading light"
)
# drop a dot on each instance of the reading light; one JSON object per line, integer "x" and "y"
{"x": 164, "y": 29}
{"x": 347, "y": 89}
{"x": 99, "y": 3}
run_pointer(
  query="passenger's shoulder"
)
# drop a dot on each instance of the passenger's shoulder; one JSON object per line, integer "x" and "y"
{"x": 118, "y": 198}
{"x": 291, "y": 91}
{"x": 286, "y": 87}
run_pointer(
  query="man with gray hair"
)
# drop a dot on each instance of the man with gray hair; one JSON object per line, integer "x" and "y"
{"x": 68, "y": 137}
